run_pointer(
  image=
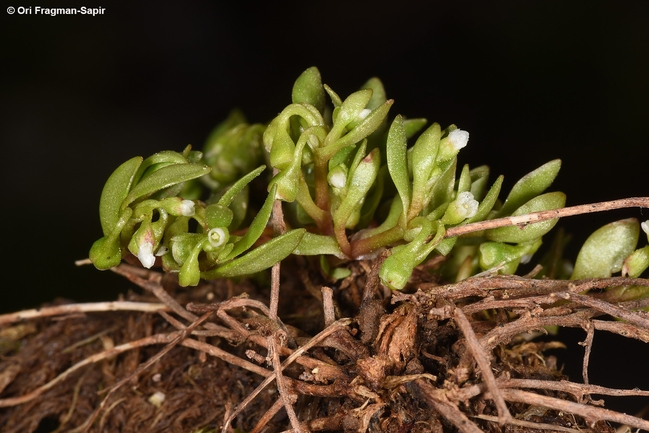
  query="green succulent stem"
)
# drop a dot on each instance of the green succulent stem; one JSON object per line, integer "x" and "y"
{"x": 321, "y": 217}
{"x": 368, "y": 246}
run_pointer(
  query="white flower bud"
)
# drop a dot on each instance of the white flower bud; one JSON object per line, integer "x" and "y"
{"x": 338, "y": 179}
{"x": 458, "y": 138}
{"x": 364, "y": 113}
{"x": 145, "y": 254}
{"x": 161, "y": 251}
{"x": 645, "y": 227}
{"x": 187, "y": 208}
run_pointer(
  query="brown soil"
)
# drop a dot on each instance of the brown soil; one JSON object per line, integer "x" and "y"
{"x": 405, "y": 362}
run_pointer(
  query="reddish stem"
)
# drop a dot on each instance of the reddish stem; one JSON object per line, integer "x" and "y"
{"x": 363, "y": 247}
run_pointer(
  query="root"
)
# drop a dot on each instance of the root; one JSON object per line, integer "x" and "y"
{"x": 433, "y": 359}
{"x": 94, "y": 307}
{"x": 480, "y": 356}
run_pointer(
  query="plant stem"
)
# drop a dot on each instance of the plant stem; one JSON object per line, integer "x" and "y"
{"x": 321, "y": 184}
{"x": 371, "y": 244}
{"x": 523, "y": 220}
{"x": 81, "y": 308}
{"x": 319, "y": 216}
{"x": 279, "y": 227}
{"x": 341, "y": 238}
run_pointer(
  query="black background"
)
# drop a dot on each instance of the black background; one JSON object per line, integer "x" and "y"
{"x": 530, "y": 80}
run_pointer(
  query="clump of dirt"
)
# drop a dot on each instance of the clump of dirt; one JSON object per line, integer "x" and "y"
{"x": 433, "y": 358}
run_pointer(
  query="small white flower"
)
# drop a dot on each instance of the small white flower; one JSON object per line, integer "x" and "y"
{"x": 145, "y": 254}
{"x": 364, "y": 113}
{"x": 463, "y": 207}
{"x": 217, "y": 237}
{"x": 458, "y": 138}
{"x": 645, "y": 227}
{"x": 161, "y": 251}
{"x": 338, "y": 179}
{"x": 187, "y": 208}
{"x": 467, "y": 206}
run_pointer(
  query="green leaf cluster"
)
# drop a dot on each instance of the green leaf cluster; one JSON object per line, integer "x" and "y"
{"x": 611, "y": 249}
{"x": 354, "y": 181}
{"x": 143, "y": 212}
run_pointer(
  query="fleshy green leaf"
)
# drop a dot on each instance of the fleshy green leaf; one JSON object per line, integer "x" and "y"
{"x": 308, "y": 89}
{"x": 339, "y": 273}
{"x": 164, "y": 178}
{"x": 280, "y": 143}
{"x": 313, "y": 244}
{"x": 190, "y": 273}
{"x": 335, "y": 99}
{"x": 605, "y": 250}
{"x": 358, "y": 157}
{"x": 231, "y": 193}
{"x": 256, "y": 227}
{"x": 396, "y": 148}
{"x": 335, "y": 273}
{"x": 516, "y": 234}
{"x": 495, "y": 253}
{"x": 390, "y": 221}
{"x": 183, "y": 244}
{"x": 341, "y": 157}
{"x": 239, "y": 208}
{"x": 378, "y": 92}
{"x": 114, "y": 192}
{"x": 360, "y": 183}
{"x": 479, "y": 181}
{"x": 397, "y": 268}
{"x": 106, "y": 252}
{"x": 464, "y": 182}
{"x": 424, "y": 155}
{"x": 373, "y": 198}
{"x": 156, "y": 162}
{"x": 287, "y": 182}
{"x": 346, "y": 115}
{"x": 234, "y": 153}
{"x": 488, "y": 202}
{"x": 352, "y": 106}
{"x": 530, "y": 185}
{"x": 636, "y": 263}
{"x": 235, "y": 117}
{"x": 446, "y": 245}
{"x": 217, "y": 215}
{"x": 413, "y": 126}
{"x": 441, "y": 186}
{"x": 360, "y": 131}
{"x": 262, "y": 257}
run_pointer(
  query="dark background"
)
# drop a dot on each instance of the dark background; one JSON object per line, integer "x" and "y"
{"x": 530, "y": 80}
